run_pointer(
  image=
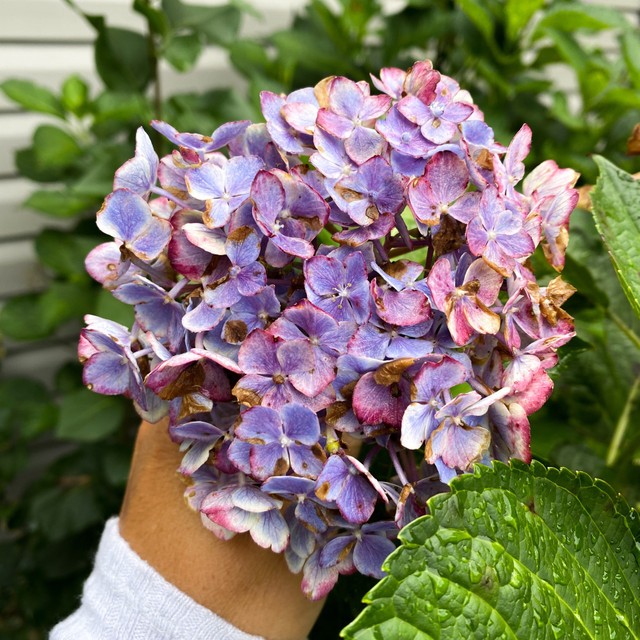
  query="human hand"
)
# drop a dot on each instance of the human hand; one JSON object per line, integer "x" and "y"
{"x": 250, "y": 587}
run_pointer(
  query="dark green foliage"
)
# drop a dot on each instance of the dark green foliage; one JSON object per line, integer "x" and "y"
{"x": 64, "y": 451}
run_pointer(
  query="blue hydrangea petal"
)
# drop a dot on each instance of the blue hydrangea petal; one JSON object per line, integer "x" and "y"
{"x": 369, "y": 554}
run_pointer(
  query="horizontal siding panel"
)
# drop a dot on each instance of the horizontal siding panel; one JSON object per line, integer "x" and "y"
{"x": 16, "y": 130}
{"x": 16, "y": 220}
{"x": 41, "y": 364}
{"x": 20, "y": 269}
{"x": 49, "y": 65}
{"x": 57, "y": 22}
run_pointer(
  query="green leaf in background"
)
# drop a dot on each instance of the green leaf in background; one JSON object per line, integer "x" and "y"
{"x": 59, "y": 204}
{"x": 30, "y": 410}
{"x": 182, "y": 52}
{"x": 88, "y": 417}
{"x": 219, "y": 25}
{"x": 156, "y": 18}
{"x": 64, "y": 252}
{"x": 518, "y": 14}
{"x": 32, "y": 97}
{"x": 34, "y": 316}
{"x": 630, "y": 43}
{"x": 122, "y": 59}
{"x": 109, "y": 307}
{"x": 520, "y": 552}
{"x": 115, "y": 107}
{"x": 54, "y": 148}
{"x": 478, "y": 13}
{"x": 59, "y": 512}
{"x": 577, "y": 16}
{"x": 75, "y": 95}
{"x": 616, "y": 208}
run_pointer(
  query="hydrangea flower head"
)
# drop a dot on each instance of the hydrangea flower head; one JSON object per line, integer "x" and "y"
{"x": 347, "y": 283}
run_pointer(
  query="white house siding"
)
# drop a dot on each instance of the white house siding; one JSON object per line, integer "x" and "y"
{"x": 45, "y": 41}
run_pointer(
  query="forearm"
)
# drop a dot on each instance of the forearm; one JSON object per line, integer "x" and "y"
{"x": 249, "y": 586}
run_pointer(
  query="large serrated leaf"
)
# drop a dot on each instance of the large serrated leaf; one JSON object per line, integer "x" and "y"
{"x": 616, "y": 208}
{"x": 515, "y": 552}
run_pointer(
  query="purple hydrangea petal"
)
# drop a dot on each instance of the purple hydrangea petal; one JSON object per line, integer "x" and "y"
{"x": 364, "y": 144}
{"x": 458, "y": 446}
{"x": 258, "y": 354}
{"x": 317, "y": 580}
{"x": 203, "y": 317}
{"x": 127, "y": 217}
{"x": 401, "y": 308}
{"x": 259, "y": 425}
{"x": 336, "y": 550}
{"x": 185, "y": 257}
{"x": 268, "y": 460}
{"x": 436, "y": 377}
{"x": 140, "y": 173}
{"x": 206, "y": 181}
{"x": 300, "y": 424}
{"x": 369, "y": 554}
{"x": 210, "y": 240}
{"x": 417, "y": 423}
{"x": 107, "y": 373}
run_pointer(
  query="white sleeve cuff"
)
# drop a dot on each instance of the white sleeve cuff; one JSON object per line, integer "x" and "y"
{"x": 125, "y": 598}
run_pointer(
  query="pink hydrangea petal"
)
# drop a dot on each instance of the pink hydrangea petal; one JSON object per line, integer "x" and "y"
{"x": 375, "y": 403}
{"x": 458, "y": 446}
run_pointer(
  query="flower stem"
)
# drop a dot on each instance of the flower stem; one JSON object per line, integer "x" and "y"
{"x": 396, "y": 464}
{"x": 176, "y": 290}
{"x": 622, "y": 424}
{"x": 624, "y": 327}
{"x": 160, "y": 278}
{"x": 169, "y": 196}
{"x": 403, "y": 231}
{"x": 380, "y": 250}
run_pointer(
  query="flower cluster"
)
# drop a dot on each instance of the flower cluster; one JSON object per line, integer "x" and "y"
{"x": 334, "y": 308}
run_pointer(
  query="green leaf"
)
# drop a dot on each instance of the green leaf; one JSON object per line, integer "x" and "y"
{"x": 59, "y": 204}
{"x": 109, "y": 307}
{"x": 32, "y": 97}
{"x": 623, "y": 424}
{"x": 518, "y": 13}
{"x": 64, "y": 252}
{"x": 123, "y": 59}
{"x": 561, "y": 110}
{"x": 578, "y": 16}
{"x": 478, "y": 13}
{"x": 54, "y": 148}
{"x": 114, "y": 107}
{"x": 75, "y": 95}
{"x": 219, "y": 25}
{"x": 293, "y": 47}
{"x": 30, "y": 408}
{"x": 630, "y": 44}
{"x": 616, "y": 209}
{"x": 518, "y": 552}
{"x": 34, "y": 316}
{"x": 182, "y": 52}
{"x": 87, "y": 417}
{"x": 60, "y": 512}
{"x": 571, "y": 51}
{"x": 157, "y": 19}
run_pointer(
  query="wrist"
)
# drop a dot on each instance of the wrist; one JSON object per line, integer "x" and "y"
{"x": 250, "y": 587}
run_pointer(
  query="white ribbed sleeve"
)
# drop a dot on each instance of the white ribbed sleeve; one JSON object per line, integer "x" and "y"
{"x": 124, "y": 598}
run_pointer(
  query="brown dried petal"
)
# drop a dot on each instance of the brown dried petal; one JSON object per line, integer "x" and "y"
{"x": 391, "y": 372}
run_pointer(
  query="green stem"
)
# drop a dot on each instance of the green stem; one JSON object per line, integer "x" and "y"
{"x": 624, "y": 327}
{"x": 622, "y": 424}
